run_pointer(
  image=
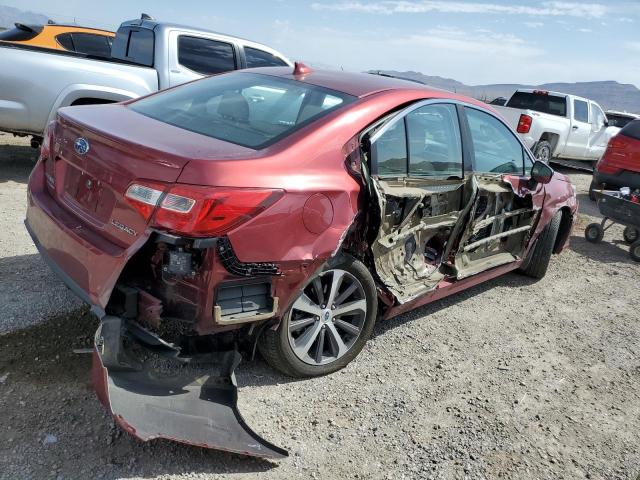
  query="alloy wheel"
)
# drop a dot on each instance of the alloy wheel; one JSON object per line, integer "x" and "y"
{"x": 327, "y": 318}
{"x": 544, "y": 154}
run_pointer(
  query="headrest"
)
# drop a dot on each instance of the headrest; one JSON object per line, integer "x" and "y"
{"x": 234, "y": 106}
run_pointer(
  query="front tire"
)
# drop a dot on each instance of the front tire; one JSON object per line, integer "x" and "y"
{"x": 543, "y": 151}
{"x": 631, "y": 235}
{"x": 634, "y": 251}
{"x": 328, "y": 323}
{"x": 537, "y": 261}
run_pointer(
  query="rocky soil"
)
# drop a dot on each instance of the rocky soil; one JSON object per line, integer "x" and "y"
{"x": 512, "y": 379}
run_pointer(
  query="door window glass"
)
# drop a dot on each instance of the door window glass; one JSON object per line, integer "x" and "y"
{"x": 260, "y": 58}
{"x": 391, "y": 151}
{"x": 495, "y": 148}
{"x": 581, "y": 111}
{"x": 205, "y": 56}
{"x": 434, "y": 141}
{"x": 597, "y": 117}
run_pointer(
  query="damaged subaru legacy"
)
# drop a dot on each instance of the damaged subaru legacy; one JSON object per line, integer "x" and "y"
{"x": 276, "y": 209}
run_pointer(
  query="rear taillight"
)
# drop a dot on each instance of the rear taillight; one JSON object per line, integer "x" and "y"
{"x": 145, "y": 197}
{"x": 209, "y": 212}
{"x": 46, "y": 154}
{"x": 524, "y": 124}
{"x": 199, "y": 211}
{"x": 615, "y": 152}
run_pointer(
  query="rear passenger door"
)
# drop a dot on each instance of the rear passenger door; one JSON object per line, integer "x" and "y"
{"x": 580, "y": 130}
{"x": 417, "y": 178}
{"x": 256, "y": 58}
{"x": 192, "y": 57}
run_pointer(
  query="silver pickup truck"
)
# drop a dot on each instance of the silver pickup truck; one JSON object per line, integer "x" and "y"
{"x": 146, "y": 56}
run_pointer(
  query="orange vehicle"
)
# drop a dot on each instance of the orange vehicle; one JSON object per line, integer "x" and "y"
{"x": 72, "y": 38}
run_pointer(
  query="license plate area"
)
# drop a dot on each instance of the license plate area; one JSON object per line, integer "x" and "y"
{"x": 87, "y": 193}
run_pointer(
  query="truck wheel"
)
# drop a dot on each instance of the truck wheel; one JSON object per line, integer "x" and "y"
{"x": 327, "y": 324}
{"x": 634, "y": 251}
{"x": 543, "y": 151}
{"x": 594, "y": 233}
{"x": 630, "y": 234}
{"x": 537, "y": 262}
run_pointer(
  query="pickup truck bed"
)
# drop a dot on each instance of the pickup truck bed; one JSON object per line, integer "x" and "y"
{"x": 33, "y": 99}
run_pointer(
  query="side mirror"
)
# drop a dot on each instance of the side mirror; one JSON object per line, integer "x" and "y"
{"x": 606, "y": 123}
{"x": 541, "y": 172}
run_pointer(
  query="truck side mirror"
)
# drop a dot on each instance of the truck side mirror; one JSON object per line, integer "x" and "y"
{"x": 541, "y": 172}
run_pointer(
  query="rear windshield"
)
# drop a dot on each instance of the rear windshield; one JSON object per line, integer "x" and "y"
{"x": 618, "y": 120}
{"x": 21, "y": 33}
{"x": 539, "y": 102}
{"x": 252, "y": 110}
{"x": 632, "y": 129}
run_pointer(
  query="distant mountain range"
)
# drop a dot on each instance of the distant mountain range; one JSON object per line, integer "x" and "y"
{"x": 610, "y": 94}
{"x": 10, "y": 15}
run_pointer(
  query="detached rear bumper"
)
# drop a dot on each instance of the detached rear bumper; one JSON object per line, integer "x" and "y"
{"x": 152, "y": 392}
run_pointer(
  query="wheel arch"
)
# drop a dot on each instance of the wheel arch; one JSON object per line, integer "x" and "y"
{"x": 552, "y": 138}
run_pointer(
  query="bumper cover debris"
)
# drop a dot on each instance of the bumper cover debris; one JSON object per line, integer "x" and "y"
{"x": 153, "y": 392}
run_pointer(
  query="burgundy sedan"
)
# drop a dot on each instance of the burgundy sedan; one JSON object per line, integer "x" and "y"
{"x": 278, "y": 209}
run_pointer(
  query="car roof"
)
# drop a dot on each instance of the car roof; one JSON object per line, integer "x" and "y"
{"x": 351, "y": 83}
{"x": 162, "y": 26}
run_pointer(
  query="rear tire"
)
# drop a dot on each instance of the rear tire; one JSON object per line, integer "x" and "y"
{"x": 594, "y": 233}
{"x": 592, "y": 187}
{"x": 543, "y": 151}
{"x": 634, "y": 251}
{"x": 631, "y": 235}
{"x": 537, "y": 261}
{"x": 332, "y": 340}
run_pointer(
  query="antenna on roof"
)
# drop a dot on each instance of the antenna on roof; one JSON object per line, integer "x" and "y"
{"x": 301, "y": 69}
{"x": 144, "y": 16}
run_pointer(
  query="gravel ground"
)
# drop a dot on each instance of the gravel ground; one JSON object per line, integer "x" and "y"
{"x": 511, "y": 379}
{"x": 29, "y": 291}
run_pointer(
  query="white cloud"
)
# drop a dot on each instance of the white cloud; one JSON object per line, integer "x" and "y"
{"x": 574, "y": 9}
{"x": 585, "y": 30}
{"x": 533, "y": 24}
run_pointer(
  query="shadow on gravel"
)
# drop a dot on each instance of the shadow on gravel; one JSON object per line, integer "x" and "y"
{"x": 507, "y": 280}
{"x": 16, "y": 162}
{"x": 587, "y": 206}
{"x": 610, "y": 250}
{"x": 45, "y": 393}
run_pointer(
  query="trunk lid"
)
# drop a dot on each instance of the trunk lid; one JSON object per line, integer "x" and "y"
{"x": 121, "y": 146}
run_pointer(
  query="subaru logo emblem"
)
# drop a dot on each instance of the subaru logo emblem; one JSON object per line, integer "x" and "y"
{"x": 81, "y": 146}
{"x": 326, "y": 316}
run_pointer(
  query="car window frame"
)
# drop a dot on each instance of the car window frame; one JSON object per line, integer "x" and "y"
{"x": 525, "y": 152}
{"x": 390, "y": 118}
{"x": 234, "y": 50}
{"x": 275, "y": 55}
{"x": 401, "y": 115}
{"x": 573, "y": 114}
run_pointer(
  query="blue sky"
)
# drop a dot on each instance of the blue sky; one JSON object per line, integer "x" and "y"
{"x": 475, "y": 42}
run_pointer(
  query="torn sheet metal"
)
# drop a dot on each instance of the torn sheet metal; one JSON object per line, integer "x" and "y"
{"x": 154, "y": 393}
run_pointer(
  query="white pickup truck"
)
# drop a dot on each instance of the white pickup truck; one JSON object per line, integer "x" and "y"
{"x": 558, "y": 125}
{"x": 146, "y": 56}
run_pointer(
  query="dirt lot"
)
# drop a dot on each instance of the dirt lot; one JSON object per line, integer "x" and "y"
{"x": 512, "y": 379}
